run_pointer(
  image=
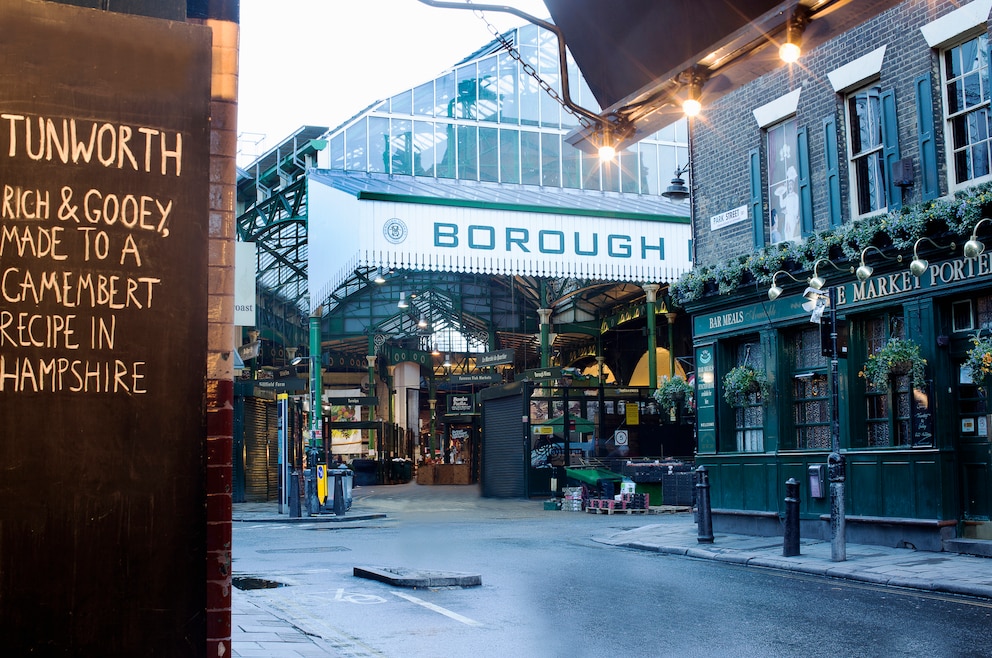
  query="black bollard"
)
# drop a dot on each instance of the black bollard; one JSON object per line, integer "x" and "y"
{"x": 294, "y": 495}
{"x": 338, "y": 492}
{"x": 310, "y": 491}
{"x": 790, "y": 545}
{"x": 703, "y": 505}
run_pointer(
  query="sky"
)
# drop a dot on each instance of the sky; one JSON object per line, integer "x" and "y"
{"x": 320, "y": 62}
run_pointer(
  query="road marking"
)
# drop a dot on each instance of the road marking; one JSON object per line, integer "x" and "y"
{"x": 356, "y": 597}
{"x": 437, "y": 608}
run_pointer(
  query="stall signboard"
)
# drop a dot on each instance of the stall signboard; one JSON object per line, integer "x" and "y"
{"x": 461, "y": 404}
{"x": 105, "y": 225}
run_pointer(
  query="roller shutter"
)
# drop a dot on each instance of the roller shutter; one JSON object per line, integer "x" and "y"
{"x": 261, "y": 450}
{"x": 503, "y": 472}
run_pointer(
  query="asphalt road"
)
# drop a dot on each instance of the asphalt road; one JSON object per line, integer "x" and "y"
{"x": 549, "y": 589}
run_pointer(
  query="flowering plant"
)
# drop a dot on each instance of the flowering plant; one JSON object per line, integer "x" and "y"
{"x": 672, "y": 391}
{"x": 741, "y": 381}
{"x": 898, "y": 357}
{"x": 899, "y": 229}
{"x": 979, "y": 360}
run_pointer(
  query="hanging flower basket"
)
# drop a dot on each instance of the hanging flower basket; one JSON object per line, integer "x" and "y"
{"x": 979, "y": 360}
{"x": 673, "y": 392}
{"x": 741, "y": 382}
{"x": 901, "y": 367}
{"x": 898, "y": 357}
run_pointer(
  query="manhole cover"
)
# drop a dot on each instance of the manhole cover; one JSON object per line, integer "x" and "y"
{"x": 247, "y": 582}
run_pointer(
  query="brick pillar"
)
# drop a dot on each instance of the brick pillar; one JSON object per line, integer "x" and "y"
{"x": 220, "y": 336}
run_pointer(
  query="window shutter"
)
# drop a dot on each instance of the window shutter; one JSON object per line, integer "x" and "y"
{"x": 832, "y": 161}
{"x": 890, "y": 148}
{"x": 757, "y": 217}
{"x": 928, "y": 147}
{"x": 805, "y": 189}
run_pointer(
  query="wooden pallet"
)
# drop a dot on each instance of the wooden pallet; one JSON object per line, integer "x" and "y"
{"x": 616, "y": 510}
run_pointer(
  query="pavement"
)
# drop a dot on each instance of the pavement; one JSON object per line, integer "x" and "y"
{"x": 260, "y": 632}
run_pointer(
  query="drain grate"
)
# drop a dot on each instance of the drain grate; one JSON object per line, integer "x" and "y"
{"x": 249, "y": 582}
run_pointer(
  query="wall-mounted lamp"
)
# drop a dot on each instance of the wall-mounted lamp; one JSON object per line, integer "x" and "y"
{"x": 776, "y": 290}
{"x": 691, "y": 105}
{"x": 677, "y": 191}
{"x": 974, "y": 247}
{"x": 607, "y": 145}
{"x": 864, "y": 271}
{"x": 816, "y": 281}
{"x": 919, "y": 265}
{"x": 791, "y": 49}
{"x": 403, "y": 303}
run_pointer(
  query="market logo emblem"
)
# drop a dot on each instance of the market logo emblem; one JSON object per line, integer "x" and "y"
{"x": 705, "y": 356}
{"x": 395, "y": 230}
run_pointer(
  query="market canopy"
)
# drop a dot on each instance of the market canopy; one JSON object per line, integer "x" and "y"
{"x": 578, "y": 424}
{"x": 593, "y": 476}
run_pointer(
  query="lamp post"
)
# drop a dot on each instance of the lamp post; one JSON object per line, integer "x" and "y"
{"x": 818, "y": 301}
{"x": 835, "y": 461}
{"x": 566, "y": 381}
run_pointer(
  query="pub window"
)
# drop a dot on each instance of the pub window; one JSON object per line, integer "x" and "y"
{"x": 983, "y": 313}
{"x": 749, "y": 420}
{"x": 961, "y": 316}
{"x": 965, "y": 72}
{"x": 810, "y": 391}
{"x": 867, "y": 163}
{"x": 887, "y": 412}
{"x": 785, "y": 209}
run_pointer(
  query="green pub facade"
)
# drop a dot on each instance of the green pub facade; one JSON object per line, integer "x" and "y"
{"x": 865, "y": 172}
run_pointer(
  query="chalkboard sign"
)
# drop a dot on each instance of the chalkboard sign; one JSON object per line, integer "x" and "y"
{"x": 921, "y": 416}
{"x": 104, "y": 153}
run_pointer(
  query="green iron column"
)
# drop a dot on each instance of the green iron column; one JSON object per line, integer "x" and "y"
{"x": 373, "y": 433}
{"x": 670, "y": 316}
{"x": 600, "y": 426}
{"x": 651, "y": 291}
{"x": 545, "y": 314}
{"x": 316, "y": 383}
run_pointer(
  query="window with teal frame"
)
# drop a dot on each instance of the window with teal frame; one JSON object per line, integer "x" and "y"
{"x": 749, "y": 420}
{"x": 887, "y": 412}
{"x": 810, "y": 391}
{"x": 965, "y": 69}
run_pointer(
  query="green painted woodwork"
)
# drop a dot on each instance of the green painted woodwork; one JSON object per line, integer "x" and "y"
{"x": 519, "y": 207}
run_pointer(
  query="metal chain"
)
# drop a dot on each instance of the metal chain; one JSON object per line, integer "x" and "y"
{"x": 528, "y": 68}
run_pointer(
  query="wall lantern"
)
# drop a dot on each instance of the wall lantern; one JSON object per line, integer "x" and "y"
{"x": 919, "y": 265}
{"x": 678, "y": 191}
{"x": 974, "y": 247}
{"x": 791, "y": 49}
{"x": 776, "y": 290}
{"x": 864, "y": 271}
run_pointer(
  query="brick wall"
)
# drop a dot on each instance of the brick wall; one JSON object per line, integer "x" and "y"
{"x": 727, "y": 131}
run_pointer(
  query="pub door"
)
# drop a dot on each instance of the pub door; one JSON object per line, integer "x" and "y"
{"x": 974, "y": 428}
